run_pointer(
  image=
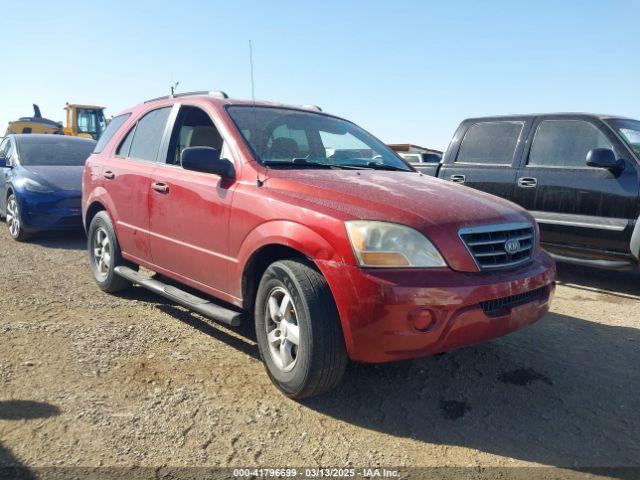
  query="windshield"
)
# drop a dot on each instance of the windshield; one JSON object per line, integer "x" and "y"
{"x": 290, "y": 138}
{"x": 91, "y": 121}
{"x": 54, "y": 150}
{"x": 629, "y": 130}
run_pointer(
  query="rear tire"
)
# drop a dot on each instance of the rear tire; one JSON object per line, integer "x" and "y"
{"x": 104, "y": 254}
{"x": 14, "y": 220}
{"x": 298, "y": 330}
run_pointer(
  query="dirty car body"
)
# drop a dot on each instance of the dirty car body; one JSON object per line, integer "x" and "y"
{"x": 414, "y": 265}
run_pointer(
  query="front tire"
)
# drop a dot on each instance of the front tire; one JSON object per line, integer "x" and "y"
{"x": 104, "y": 254}
{"x": 14, "y": 220}
{"x": 298, "y": 330}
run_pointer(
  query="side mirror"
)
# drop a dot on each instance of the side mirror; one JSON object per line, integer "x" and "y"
{"x": 206, "y": 160}
{"x": 604, "y": 158}
{"x": 3, "y": 162}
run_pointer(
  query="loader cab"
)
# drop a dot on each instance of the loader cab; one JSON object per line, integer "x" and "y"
{"x": 85, "y": 121}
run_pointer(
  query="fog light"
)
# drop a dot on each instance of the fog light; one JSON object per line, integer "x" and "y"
{"x": 421, "y": 319}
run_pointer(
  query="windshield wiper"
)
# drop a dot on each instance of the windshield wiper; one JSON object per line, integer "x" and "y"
{"x": 384, "y": 166}
{"x": 296, "y": 162}
{"x": 303, "y": 162}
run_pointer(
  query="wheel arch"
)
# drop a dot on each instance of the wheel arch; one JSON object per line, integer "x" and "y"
{"x": 272, "y": 241}
{"x": 258, "y": 263}
{"x": 94, "y": 208}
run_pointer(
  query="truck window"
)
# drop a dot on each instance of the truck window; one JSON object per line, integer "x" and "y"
{"x": 148, "y": 135}
{"x": 490, "y": 143}
{"x": 565, "y": 143}
{"x": 431, "y": 158}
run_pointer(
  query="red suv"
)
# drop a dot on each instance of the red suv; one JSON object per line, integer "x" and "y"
{"x": 310, "y": 227}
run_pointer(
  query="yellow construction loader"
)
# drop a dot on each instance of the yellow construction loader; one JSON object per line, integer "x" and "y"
{"x": 86, "y": 121}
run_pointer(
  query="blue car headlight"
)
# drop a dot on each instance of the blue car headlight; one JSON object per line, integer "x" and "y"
{"x": 35, "y": 187}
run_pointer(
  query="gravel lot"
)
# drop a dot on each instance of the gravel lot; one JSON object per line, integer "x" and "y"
{"x": 88, "y": 379}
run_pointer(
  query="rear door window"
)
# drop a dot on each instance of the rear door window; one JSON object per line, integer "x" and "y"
{"x": 492, "y": 143}
{"x": 112, "y": 128}
{"x": 565, "y": 143}
{"x": 146, "y": 136}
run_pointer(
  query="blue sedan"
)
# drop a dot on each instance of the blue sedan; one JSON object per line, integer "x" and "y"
{"x": 41, "y": 182}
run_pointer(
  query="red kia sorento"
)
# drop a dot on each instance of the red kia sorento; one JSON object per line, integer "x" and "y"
{"x": 309, "y": 228}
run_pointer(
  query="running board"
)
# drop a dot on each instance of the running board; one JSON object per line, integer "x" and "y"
{"x": 197, "y": 304}
{"x": 595, "y": 263}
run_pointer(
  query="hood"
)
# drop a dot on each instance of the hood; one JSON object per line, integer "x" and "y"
{"x": 409, "y": 198}
{"x": 56, "y": 177}
{"x": 435, "y": 207}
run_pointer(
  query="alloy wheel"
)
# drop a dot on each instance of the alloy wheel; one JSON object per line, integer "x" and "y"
{"x": 102, "y": 254}
{"x": 283, "y": 331}
{"x": 13, "y": 218}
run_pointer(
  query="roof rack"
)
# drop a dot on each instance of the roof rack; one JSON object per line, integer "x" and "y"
{"x": 211, "y": 93}
{"x": 312, "y": 107}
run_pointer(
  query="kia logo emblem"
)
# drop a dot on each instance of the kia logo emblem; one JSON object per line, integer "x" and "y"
{"x": 511, "y": 246}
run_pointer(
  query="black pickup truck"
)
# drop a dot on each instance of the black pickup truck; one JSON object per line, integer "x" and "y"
{"x": 578, "y": 174}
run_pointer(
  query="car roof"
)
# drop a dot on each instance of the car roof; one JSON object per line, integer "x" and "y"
{"x": 600, "y": 116}
{"x": 43, "y": 136}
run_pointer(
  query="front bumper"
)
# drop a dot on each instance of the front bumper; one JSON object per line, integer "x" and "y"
{"x": 57, "y": 211}
{"x": 378, "y": 308}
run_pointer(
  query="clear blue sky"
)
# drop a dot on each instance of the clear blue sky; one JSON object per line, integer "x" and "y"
{"x": 408, "y": 71}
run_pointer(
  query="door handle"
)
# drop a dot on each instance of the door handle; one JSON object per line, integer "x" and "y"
{"x": 109, "y": 175}
{"x": 527, "y": 182}
{"x": 160, "y": 187}
{"x": 458, "y": 178}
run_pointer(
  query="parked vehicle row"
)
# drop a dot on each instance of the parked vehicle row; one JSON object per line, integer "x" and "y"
{"x": 577, "y": 174}
{"x": 309, "y": 228}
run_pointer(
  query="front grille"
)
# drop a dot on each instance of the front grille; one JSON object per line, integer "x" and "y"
{"x": 500, "y": 246}
{"x": 500, "y": 306}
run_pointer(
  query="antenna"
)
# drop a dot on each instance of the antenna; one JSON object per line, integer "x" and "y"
{"x": 174, "y": 87}
{"x": 253, "y": 88}
{"x": 259, "y": 182}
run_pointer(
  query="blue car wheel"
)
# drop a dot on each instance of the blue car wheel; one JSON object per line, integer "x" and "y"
{"x": 14, "y": 222}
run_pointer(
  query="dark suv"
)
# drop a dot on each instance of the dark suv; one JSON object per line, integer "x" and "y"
{"x": 577, "y": 174}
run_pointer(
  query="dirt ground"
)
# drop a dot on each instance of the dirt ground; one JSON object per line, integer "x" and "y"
{"x": 89, "y": 379}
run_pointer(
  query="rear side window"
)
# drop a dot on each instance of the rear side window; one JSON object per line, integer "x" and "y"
{"x": 490, "y": 143}
{"x": 110, "y": 131}
{"x": 565, "y": 143}
{"x": 125, "y": 146}
{"x": 144, "y": 139}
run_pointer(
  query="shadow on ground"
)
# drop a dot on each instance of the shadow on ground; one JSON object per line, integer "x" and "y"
{"x": 605, "y": 281}
{"x": 72, "y": 240}
{"x": 14, "y": 410}
{"x": 563, "y": 392}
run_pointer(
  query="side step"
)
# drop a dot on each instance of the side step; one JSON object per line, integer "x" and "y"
{"x": 197, "y": 304}
{"x": 595, "y": 263}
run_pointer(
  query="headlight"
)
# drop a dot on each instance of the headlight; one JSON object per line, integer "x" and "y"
{"x": 382, "y": 244}
{"x": 35, "y": 187}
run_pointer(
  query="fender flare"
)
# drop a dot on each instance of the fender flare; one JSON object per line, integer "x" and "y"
{"x": 286, "y": 233}
{"x": 98, "y": 195}
{"x": 306, "y": 241}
